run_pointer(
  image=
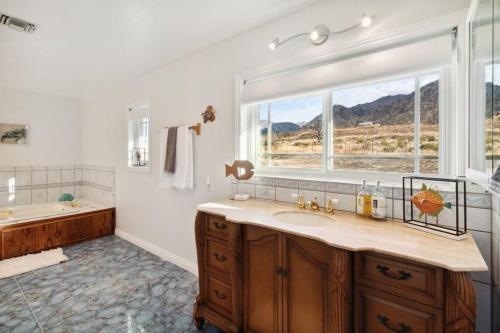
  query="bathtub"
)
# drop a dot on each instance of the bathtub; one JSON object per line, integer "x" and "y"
{"x": 25, "y": 213}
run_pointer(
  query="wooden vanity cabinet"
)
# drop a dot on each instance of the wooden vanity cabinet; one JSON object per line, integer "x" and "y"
{"x": 255, "y": 279}
{"x": 272, "y": 282}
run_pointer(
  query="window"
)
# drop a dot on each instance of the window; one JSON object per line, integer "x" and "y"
{"x": 138, "y": 137}
{"x": 291, "y": 133}
{"x": 378, "y": 126}
{"x": 389, "y": 126}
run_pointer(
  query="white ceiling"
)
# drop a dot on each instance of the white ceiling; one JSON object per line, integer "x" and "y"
{"x": 82, "y": 46}
{"x": 83, "y": 43}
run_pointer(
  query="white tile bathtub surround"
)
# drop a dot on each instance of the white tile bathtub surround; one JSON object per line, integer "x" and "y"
{"x": 39, "y": 177}
{"x": 53, "y": 194}
{"x": 68, "y": 176}
{"x": 38, "y": 184}
{"x": 39, "y": 195}
{"x": 54, "y": 175}
{"x": 6, "y": 178}
{"x": 23, "y": 177}
{"x": 23, "y": 197}
{"x": 78, "y": 174}
{"x": 6, "y": 199}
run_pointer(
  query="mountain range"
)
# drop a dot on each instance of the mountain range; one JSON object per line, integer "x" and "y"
{"x": 388, "y": 110}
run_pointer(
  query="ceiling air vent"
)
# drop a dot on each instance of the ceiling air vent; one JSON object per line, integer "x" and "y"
{"x": 16, "y": 23}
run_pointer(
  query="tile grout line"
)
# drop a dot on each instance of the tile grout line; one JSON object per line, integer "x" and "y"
{"x": 29, "y": 306}
{"x": 157, "y": 314}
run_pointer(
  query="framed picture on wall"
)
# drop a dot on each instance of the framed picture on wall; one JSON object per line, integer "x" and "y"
{"x": 14, "y": 134}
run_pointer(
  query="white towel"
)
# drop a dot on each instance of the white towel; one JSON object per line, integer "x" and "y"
{"x": 182, "y": 179}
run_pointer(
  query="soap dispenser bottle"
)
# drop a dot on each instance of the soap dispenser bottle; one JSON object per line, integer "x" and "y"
{"x": 364, "y": 201}
{"x": 378, "y": 204}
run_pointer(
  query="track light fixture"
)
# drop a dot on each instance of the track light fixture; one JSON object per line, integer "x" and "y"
{"x": 17, "y": 24}
{"x": 320, "y": 33}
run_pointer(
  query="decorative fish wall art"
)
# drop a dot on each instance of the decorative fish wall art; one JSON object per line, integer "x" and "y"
{"x": 240, "y": 169}
{"x": 429, "y": 201}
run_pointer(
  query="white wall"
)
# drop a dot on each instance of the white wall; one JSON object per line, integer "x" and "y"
{"x": 180, "y": 91}
{"x": 55, "y": 129}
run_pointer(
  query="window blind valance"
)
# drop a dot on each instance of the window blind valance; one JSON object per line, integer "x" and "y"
{"x": 413, "y": 57}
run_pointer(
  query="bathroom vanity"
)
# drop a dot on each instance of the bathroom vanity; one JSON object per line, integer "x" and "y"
{"x": 340, "y": 273}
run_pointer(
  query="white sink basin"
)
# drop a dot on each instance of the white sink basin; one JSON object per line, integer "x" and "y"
{"x": 305, "y": 219}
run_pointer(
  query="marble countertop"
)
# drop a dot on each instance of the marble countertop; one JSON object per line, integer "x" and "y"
{"x": 353, "y": 233}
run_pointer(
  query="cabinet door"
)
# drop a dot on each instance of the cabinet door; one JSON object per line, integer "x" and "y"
{"x": 51, "y": 235}
{"x": 18, "y": 242}
{"x": 262, "y": 285}
{"x": 101, "y": 225}
{"x": 305, "y": 286}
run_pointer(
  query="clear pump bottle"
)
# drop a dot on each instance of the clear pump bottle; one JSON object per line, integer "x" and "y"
{"x": 364, "y": 201}
{"x": 378, "y": 204}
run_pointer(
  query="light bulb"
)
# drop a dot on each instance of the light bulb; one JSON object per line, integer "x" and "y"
{"x": 314, "y": 35}
{"x": 366, "y": 21}
{"x": 273, "y": 45}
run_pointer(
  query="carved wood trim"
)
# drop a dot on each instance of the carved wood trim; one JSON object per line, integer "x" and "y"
{"x": 235, "y": 245}
{"x": 341, "y": 290}
{"x": 460, "y": 303}
{"x": 199, "y": 232}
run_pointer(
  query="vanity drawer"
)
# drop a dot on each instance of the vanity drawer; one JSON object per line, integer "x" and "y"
{"x": 418, "y": 282}
{"x": 217, "y": 226}
{"x": 219, "y": 297}
{"x": 378, "y": 312}
{"x": 217, "y": 255}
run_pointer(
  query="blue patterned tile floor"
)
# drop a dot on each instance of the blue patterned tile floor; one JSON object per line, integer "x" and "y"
{"x": 108, "y": 285}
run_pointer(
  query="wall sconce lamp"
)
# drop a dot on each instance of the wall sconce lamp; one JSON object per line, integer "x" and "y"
{"x": 321, "y": 32}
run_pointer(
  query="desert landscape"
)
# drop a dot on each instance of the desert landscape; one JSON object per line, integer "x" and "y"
{"x": 367, "y": 137}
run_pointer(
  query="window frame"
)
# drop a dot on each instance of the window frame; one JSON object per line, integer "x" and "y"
{"x": 141, "y": 110}
{"x": 326, "y": 171}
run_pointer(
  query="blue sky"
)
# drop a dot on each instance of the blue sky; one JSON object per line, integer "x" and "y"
{"x": 304, "y": 109}
{"x": 489, "y": 75}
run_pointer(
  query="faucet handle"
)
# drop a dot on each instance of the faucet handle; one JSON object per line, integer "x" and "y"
{"x": 329, "y": 207}
{"x": 300, "y": 200}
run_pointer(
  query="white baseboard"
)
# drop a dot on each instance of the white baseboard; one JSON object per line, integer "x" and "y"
{"x": 162, "y": 253}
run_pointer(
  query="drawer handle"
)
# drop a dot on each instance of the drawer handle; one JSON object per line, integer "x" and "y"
{"x": 220, "y": 226}
{"x": 220, "y": 295}
{"x": 401, "y": 275}
{"x": 402, "y": 327}
{"x": 219, "y": 257}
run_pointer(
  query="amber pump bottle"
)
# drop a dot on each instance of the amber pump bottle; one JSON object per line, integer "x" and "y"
{"x": 364, "y": 201}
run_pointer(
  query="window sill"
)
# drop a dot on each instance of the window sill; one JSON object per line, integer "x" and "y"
{"x": 139, "y": 169}
{"x": 392, "y": 180}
